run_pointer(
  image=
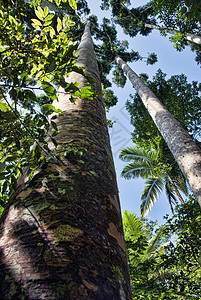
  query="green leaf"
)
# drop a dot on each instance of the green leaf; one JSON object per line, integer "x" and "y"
{"x": 2, "y": 166}
{"x": 54, "y": 142}
{"x": 57, "y": 2}
{"x": 52, "y": 32}
{"x": 4, "y": 106}
{"x": 86, "y": 92}
{"x": 36, "y": 26}
{"x": 49, "y": 17}
{"x": 31, "y": 154}
{"x": 71, "y": 23}
{"x": 49, "y": 90}
{"x": 39, "y": 13}
{"x": 73, "y": 4}
{"x": 46, "y": 10}
{"x": 8, "y": 141}
{"x": 47, "y": 24}
{"x": 36, "y": 22}
{"x": 54, "y": 125}
{"x": 50, "y": 67}
{"x": 37, "y": 152}
{"x": 59, "y": 24}
{"x": 49, "y": 108}
{"x": 12, "y": 158}
{"x": 5, "y": 185}
{"x": 12, "y": 20}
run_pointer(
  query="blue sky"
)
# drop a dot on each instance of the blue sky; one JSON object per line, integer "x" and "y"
{"x": 171, "y": 62}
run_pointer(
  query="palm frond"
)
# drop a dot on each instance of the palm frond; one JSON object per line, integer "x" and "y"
{"x": 133, "y": 226}
{"x": 137, "y": 169}
{"x": 135, "y": 154}
{"x": 159, "y": 241}
{"x": 162, "y": 273}
{"x": 150, "y": 193}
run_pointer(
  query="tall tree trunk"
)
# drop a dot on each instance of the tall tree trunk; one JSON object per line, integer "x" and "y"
{"x": 185, "y": 151}
{"x": 189, "y": 36}
{"x": 62, "y": 234}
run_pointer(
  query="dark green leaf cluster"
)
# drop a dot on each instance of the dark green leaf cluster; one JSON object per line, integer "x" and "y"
{"x": 109, "y": 48}
{"x": 184, "y": 15}
{"x": 132, "y": 20}
{"x": 165, "y": 265}
{"x": 109, "y": 98}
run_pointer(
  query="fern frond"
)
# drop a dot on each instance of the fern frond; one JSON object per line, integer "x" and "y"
{"x": 133, "y": 226}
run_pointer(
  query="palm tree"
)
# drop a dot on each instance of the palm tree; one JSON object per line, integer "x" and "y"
{"x": 145, "y": 163}
{"x": 183, "y": 148}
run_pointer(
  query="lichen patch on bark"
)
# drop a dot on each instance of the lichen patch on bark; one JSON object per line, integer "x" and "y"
{"x": 112, "y": 230}
{"x": 66, "y": 233}
{"x": 56, "y": 259}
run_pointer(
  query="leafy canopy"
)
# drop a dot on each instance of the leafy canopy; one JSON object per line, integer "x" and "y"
{"x": 36, "y": 56}
{"x": 182, "y": 16}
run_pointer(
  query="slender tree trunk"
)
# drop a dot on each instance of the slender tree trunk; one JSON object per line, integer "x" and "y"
{"x": 176, "y": 191}
{"x": 62, "y": 234}
{"x": 189, "y": 36}
{"x": 185, "y": 151}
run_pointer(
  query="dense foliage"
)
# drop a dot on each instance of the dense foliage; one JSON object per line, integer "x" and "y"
{"x": 38, "y": 50}
{"x": 165, "y": 263}
{"x": 36, "y": 55}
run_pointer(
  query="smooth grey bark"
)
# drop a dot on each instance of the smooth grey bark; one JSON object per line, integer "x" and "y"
{"x": 185, "y": 151}
{"x": 189, "y": 36}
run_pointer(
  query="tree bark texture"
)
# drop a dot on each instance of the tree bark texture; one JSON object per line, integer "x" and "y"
{"x": 185, "y": 151}
{"x": 61, "y": 232}
{"x": 189, "y": 36}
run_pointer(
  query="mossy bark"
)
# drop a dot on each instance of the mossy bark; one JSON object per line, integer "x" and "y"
{"x": 185, "y": 151}
{"x": 61, "y": 233}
